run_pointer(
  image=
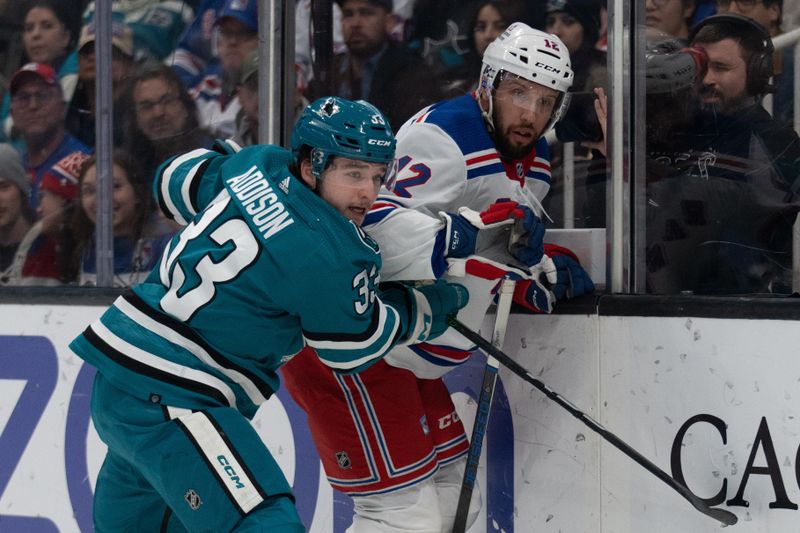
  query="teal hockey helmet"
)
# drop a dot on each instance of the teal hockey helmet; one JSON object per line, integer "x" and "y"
{"x": 332, "y": 126}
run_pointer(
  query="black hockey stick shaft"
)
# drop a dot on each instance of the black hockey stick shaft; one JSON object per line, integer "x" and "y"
{"x": 722, "y": 515}
{"x": 484, "y": 407}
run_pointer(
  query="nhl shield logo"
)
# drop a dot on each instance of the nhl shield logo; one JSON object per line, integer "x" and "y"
{"x": 343, "y": 460}
{"x": 423, "y": 422}
{"x": 193, "y": 499}
{"x": 520, "y": 170}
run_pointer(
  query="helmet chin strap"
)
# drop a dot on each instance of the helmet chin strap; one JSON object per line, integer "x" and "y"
{"x": 487, "y": 114}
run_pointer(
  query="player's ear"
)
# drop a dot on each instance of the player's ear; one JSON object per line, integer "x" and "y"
{"x": 307, "y": 175}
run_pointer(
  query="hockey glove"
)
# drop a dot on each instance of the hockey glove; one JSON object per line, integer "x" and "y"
{"x": 571, "y": 279}
{"x": 527, "y": 238}
{"x": 533, "y": 294}
{"x": 428, "y": 307}
{"x": 469, "y": 232}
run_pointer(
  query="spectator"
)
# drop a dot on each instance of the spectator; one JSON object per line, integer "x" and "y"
{"x": 16, "y": 215}
{"x": 488, "y": 20}
{"x": 139, "y": 238}
{"x": 81, "y": 110}
{"x": 577, "y": 23}
{"x": 670, "y": 17}
{"x": 38, "y": 109}
{"x": 377, "y": 69}
{"x": 247, "y": 91}
{"x": 45, "y": 261}
{"x": 162, "y": 120}
{"x": 769, "y": 13}
{"x": 48, "y": 38}
{"x": 194, "y": 50}
{"x": 721, "y": 223}
{"x": 215, "y": 94}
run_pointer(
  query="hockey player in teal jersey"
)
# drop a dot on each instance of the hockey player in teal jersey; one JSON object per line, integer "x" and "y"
{"x": 271, "y": 259}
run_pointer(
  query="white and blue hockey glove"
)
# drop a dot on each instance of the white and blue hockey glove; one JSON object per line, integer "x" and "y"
{"x": 488, "y": 233}
{"x": 526, "y": 243}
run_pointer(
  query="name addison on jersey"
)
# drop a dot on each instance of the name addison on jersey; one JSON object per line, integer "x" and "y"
{"x": 260, "y": 202}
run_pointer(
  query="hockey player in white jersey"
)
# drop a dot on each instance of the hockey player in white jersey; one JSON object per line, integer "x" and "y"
{"x": 391, "y": 437}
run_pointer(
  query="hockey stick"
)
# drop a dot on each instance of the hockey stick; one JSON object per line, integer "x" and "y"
{"x": 484, "y": 405}
{"x": 722, "y": 515}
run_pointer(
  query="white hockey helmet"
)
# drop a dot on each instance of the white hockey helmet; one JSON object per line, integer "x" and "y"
{"x": 530, "y": 54}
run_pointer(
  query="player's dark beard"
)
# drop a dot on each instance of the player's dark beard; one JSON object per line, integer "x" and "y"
{"x": 506, "y": 149}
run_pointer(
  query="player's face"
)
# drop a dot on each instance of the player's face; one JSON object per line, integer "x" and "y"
{"x": 521, "y": 111}
{"x": 351, "y": 186}
{"x": 567, "y": 28}
{"x": 44, "y": 37}
{"x": 159, "y": 111}
{"x": 365, "y": 27}
{"x": 724, "y": 85}
{"x": 123, "y": 199}
{"x": 488, "y": 25}
{"x": 10, "y": 204}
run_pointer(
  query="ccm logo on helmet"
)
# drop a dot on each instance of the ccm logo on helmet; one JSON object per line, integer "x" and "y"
{"x": 378, "y": 142}
{"x": 548, "y": 67}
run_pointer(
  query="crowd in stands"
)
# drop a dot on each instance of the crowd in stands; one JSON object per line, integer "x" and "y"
{"x": 184, "y": 72}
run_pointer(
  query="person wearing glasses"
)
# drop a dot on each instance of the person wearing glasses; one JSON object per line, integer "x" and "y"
{"x": 671, "y": 18}
{"x": 769, "y": 13}
{"x": 39, "y": 112}
{"x": 162, "y": 120}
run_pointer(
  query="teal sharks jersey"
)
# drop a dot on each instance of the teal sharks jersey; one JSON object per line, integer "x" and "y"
{"x": 262, "y": 268}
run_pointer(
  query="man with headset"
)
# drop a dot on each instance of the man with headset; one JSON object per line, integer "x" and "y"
{"x": 721, "y": 223}
{"x": 738, "y": 76}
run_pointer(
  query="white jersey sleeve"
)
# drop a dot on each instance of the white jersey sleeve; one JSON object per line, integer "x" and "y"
{"x": 406, "y": 220}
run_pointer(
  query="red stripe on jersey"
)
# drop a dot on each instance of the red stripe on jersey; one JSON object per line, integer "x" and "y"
{"x": 382, "y": 205}
{"x": 482, "y": 158}
{"x": 422, "y": 117}
{"x": 452, "y": 354}
{"x": 541, "y": 164}
{"x": 484, "y": 270}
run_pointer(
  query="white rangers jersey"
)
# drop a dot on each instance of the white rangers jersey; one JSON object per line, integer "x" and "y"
{"x": 446, "y": 160}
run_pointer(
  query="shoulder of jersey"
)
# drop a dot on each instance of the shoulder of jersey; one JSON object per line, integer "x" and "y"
{"x": 460, "y": 118}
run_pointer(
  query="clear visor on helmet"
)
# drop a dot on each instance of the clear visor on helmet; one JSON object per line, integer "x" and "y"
{"x": 355, "y": 173}
{"x": 525, "y": 94}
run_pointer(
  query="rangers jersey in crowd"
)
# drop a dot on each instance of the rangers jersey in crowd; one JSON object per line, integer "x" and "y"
{"x": 448, "y": 160}
{"x": 263, "y": 268}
